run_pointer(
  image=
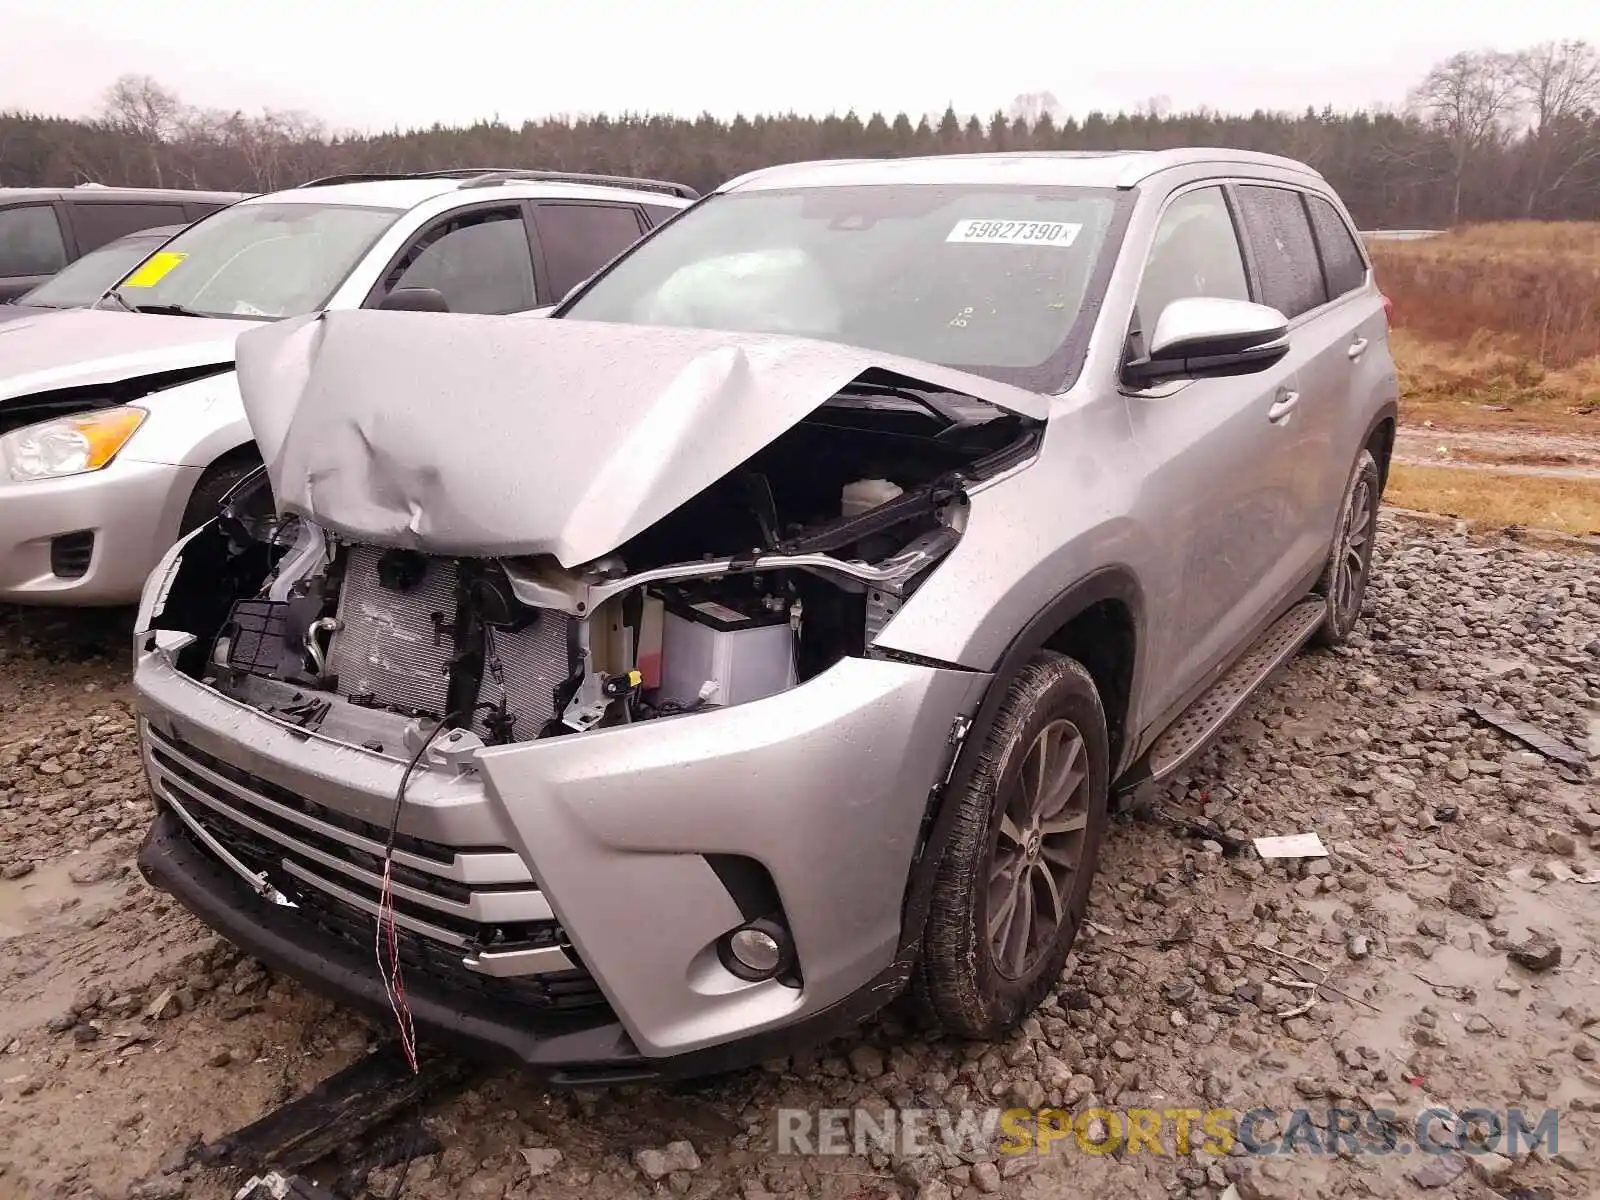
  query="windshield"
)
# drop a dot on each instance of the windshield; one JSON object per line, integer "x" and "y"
{"x": 85, "y": 281}
{"x": 265, "y": 261}
{"x": 987, "y": 279}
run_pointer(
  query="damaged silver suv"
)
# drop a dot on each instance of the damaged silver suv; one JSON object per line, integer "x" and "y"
{"x": 772, "y": 629}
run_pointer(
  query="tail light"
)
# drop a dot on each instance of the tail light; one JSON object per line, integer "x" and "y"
{"x": 1388, "y": 311}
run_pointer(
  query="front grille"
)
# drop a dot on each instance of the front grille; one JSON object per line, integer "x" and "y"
{"x": 451, "y": 905}
{"x": 70, "y": 554}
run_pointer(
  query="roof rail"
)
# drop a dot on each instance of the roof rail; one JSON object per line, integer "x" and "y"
{"x": 382, "y": 176}
{"x": 490, "y": 179}
{"x": 490, "y": 176}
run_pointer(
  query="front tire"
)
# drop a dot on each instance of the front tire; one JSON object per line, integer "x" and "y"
{"x": 1013, "y": 881}
{"x": 1343, "y": 584}
{"x": 217, "y": 481}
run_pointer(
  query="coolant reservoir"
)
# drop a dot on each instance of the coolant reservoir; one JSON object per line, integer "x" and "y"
{"x": 865, "y": 494}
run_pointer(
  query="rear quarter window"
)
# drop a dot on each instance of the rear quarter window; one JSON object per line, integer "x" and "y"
{"x": 1342, "y": 261}
{"x": 1285, "y": 252}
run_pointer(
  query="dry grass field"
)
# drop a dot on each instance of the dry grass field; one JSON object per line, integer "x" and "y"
{"x": 1489, "y": 498}
{"x": 1497, "y": 328}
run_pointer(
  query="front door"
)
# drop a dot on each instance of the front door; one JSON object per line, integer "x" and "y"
{"x": 1218, "y": 455}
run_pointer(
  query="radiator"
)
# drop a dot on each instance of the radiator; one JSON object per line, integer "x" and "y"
{"x": 389, "y": 647}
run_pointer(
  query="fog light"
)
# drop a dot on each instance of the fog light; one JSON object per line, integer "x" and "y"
{"x": 757, "y": 951}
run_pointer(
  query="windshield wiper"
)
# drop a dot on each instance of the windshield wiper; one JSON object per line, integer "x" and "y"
{"x": 164, "y": 310}
{"x": 117, "y": 296}
{"x": 936, "y": 402}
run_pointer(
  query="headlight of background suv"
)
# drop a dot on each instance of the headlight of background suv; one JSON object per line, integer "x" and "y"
{"x": 68, "y": 445}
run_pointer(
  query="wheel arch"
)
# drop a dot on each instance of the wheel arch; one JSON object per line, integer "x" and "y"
{"x": 1379, "y": 440}
{"x": 245, "y": 454}
{"x": 1099, "y": 621}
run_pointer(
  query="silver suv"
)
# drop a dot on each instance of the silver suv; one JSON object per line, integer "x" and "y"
{"x": 120, "y": 424}
{"x": 775, "y": 627}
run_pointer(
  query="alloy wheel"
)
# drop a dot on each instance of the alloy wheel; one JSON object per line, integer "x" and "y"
{"x": 1038, "y": 851}
{"x": 1355, "y": 536}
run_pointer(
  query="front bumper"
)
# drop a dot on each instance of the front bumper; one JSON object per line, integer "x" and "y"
{"x": 132, "y": 509}
{"x": 825, "y": 786}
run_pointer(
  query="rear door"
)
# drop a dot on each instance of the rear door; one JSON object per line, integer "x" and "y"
{"x": 1289, "y": 264}
{"x": 1218, "y": 454}
{"x": 33, "y": 246}
{"x": 1353, "y": 362}
{"x": 98, "y": 221}
{"x": 577, "y": 238}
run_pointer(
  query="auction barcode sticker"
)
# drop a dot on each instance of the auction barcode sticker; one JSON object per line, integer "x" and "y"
{"x": 1015, "y": 233}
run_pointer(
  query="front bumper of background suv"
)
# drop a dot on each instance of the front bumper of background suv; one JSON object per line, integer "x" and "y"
{"x": 607, "y": 852}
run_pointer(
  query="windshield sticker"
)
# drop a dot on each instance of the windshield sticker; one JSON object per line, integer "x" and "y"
{"x": 1015, "y": 233}
{"x": 154, "y": 269}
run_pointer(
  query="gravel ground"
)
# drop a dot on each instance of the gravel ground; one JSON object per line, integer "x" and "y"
{"x": 127, "y": 1031}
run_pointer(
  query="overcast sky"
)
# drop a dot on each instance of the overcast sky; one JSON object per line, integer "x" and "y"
{"x": 363, "y": 64}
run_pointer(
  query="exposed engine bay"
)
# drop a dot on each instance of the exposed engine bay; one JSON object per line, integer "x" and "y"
{"x": 786, "y": 564}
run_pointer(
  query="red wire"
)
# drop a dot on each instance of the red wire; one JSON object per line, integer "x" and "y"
{"x": 393, "y": 980}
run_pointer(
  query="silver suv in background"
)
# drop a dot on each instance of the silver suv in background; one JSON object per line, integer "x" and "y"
{"x": 775, "y": 627}
{"x": 120, "y": 425}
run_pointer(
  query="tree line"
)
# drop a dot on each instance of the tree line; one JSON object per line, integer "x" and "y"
{"x": 1485, "y": 135}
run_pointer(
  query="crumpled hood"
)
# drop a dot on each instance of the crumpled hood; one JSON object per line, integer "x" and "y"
{"x": 489, "y": 436}
{"x": 84, "y": 346}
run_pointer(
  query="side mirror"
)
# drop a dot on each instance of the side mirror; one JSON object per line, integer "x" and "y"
{"x": 415, "y": 300}
{"x": 1203, "y": 337}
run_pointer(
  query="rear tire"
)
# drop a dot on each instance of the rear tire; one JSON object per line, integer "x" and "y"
{"x": 216, "y": 481}
{"x": 1013, "y": 882}
{"x": 1343, "y": 585}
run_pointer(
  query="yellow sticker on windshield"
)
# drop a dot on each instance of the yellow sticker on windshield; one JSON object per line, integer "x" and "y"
{"x": 154, "y": 269}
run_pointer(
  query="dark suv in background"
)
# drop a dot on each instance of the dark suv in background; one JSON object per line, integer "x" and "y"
{"x": 44, "y": 229}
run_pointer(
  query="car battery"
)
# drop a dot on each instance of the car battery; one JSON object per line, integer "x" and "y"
{"x": 742, "y": 655}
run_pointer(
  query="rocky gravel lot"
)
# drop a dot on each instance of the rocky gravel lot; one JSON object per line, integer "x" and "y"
{"x": 1457, "y": 948}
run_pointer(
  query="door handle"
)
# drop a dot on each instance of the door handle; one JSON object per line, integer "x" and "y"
{"x": 1283, "y": 405}
{"x": 1357, "y": 348}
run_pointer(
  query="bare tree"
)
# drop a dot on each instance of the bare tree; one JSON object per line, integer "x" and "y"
{"x": 146, "y": 112}
{"x": 1560, "y": 84}
{"x": 1468, "y": 97}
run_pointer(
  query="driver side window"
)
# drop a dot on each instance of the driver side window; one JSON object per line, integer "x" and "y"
{"x": 479, "y": 262}
{"x": 1195, "y": 253}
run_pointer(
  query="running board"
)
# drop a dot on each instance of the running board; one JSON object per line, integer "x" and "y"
{"x": 1203, "y": 720}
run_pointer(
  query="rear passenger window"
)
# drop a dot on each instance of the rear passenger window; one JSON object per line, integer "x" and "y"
{"x": 1342, "y": 263}
{"x": 101, "y": 222}
{"x": 30, "y": 241}
{"x": 1280, "y": 236}
{"x": 579, "y": 239}
{"x": 1195, "y": 253}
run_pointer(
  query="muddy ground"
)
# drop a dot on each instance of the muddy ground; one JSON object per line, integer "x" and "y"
{"x": 127, "y": 1031}
{"x": 1518, "y": 452}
